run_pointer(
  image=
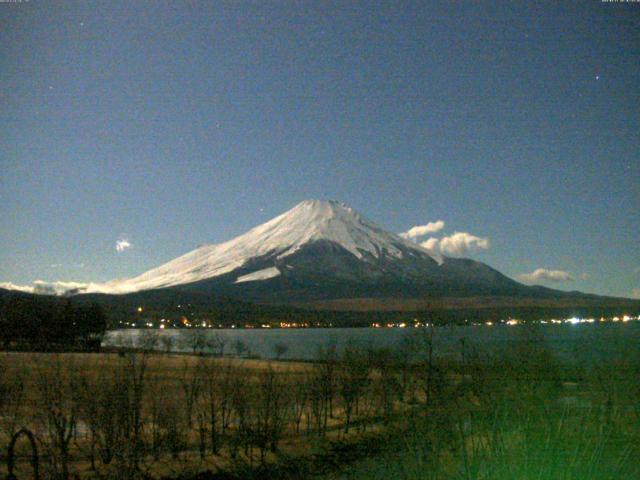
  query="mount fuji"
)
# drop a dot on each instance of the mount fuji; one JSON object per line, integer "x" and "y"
{"x": 322, "y": 255}
{"x": 318, "y": 251}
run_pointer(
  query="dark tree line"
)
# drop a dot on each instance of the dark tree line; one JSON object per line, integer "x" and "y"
{"x": 45, "y": 323}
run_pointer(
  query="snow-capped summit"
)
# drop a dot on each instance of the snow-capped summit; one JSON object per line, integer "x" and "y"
{"x": 319, "y": 250}
{"x": 269, "y": 244}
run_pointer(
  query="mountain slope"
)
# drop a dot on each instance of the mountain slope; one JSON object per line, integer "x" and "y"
{"x": 307, "y": 223}
{"x": 323, "y": 255}
{"x": 320, "y": 250}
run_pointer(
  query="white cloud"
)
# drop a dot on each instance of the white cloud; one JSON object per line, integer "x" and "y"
{"x": 543, "y": 274}
{"x": 431, "y": 244}
{"x": 43, "y": 287}
{"x": 57, "y": 288}
{"x": 421, "y": 230}
{"x": 585, "y": 276}
{"x": 462, "y": 242}
{"x": 123, "y": 244}
{"x": 13, "y": 286}
{"x": 457, "y": 244}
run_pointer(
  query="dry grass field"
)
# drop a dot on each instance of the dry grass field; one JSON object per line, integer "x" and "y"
{"x": 168, "y": 415}
{"x": 363, "y": 414}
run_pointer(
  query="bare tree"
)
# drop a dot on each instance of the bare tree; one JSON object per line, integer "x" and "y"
{"x": 58, "y": 397}
{"x": 386, "y": 383}
{"x": 279, "y": 349}
{"x": 353, "y": 377}
{"x": 299, "y": 387}
{"x": 242, "y": 435}
{"x": 190, "y": 384}
{"x": 148, "y": 340}
{"x": 240, "y": 347}
{"x": 227, "y": 386}
{"x": 217, "y": 343}
{"x": 327, "y": 358}
{"x": 195, "y": 340}
{"x": 167, "y": 340}
{"x": 317, "y": 403}
{"x": 211, "y": 408}
{"x": 271, "y": 411}
{"x": 12, "y": 395}
{"x": 172, "y": 430}
{"x": 104, "y": 411}
{"x": 133, "y": 386}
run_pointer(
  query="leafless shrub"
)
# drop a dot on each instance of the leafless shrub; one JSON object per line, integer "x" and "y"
{"x": 59, "y": 401}
{"x": 217, "y": 343}
{"x": 194, "y": 340}
{"x": 240, "y": 347}
{"x": 148, "y": 340}
{"x": 190, "y": 385}
{"x": 280, "y": 349}
{"x": 298, "y": 387}
{"x": 12, "y": 395}
{"x": 168, "y": 342}
{"x": 387, "y": 384}
{"x": 211, "y": 406}
{"x": 353, "y": 378}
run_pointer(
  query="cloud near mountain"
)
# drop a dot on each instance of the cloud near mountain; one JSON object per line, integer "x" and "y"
{"x": 544, "y": 274}
{"x": 418, "y": 231}
{"x": 457, "y": 244}
{"x": 43, "y": 287}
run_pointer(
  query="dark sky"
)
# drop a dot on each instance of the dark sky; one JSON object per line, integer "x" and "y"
{"x": 172, "y": 124}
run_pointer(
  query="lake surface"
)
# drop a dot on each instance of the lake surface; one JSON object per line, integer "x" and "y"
{"x": 583, "y": 343}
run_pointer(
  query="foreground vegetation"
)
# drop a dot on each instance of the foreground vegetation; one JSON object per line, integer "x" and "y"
{"x": 521, "y": 415}
{"x": 514, "y": 414}
{"x": 147, "y": 414}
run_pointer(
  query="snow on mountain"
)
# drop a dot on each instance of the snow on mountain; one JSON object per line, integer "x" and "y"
{"x": 309, "y": 221}
{"x": 263, "y": 274}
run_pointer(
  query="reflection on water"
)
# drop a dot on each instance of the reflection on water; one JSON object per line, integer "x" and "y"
{"x": 583, "y": 343}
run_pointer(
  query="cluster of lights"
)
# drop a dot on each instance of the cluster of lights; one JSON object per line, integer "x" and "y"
{"x": 414, "y": 324}
{"x": 185, "y": 322}
{"x": 572, "y": 320}
{"x": 294, "y": 325}
{"x": 514, "y": 321}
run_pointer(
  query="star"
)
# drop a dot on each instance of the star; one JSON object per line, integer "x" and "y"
{"x": 597, "y": 77}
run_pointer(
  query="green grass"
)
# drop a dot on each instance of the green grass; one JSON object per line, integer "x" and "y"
{"x": 521, "y": 419}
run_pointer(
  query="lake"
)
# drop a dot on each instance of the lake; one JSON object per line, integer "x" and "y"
{"x": 583, "y": 343}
